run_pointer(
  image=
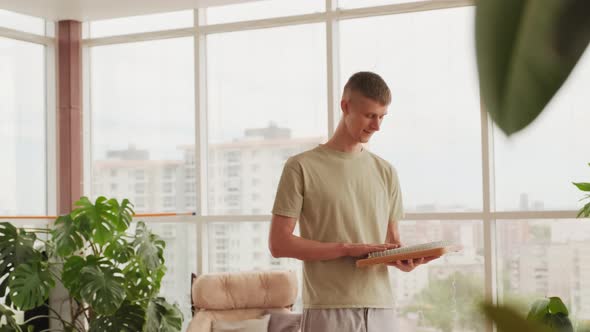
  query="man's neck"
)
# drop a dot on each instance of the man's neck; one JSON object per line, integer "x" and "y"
{"x": 342, "y": 142}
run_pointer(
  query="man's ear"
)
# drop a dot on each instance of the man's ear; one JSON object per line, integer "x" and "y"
{"x": 344, "y": 106}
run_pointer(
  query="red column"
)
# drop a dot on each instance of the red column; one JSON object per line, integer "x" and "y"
{"x": 69, "y": 115}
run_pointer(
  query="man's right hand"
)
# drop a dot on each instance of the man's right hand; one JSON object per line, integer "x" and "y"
{"x": 362, "y": 249}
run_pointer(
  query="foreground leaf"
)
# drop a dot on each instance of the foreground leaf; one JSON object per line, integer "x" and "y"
{"x": 520, "y": 64}
{"x": 508, "y": 320}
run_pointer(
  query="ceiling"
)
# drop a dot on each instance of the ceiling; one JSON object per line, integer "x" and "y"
{"x": 89, "y": 10}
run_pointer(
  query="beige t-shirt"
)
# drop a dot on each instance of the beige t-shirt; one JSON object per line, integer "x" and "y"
{"x": 341, "y": 197}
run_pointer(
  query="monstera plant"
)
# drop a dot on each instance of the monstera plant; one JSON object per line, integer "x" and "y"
{"x": 112, "y": 275}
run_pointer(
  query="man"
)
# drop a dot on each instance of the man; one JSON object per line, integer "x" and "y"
{"x": 348, "y": 202}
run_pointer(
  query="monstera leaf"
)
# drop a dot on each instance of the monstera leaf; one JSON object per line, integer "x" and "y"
{"x": 16, "y": 247}
{"x": 30, "y": 284}
{"x": 102, "y": 287}
{"x": 119, "y": 249}
{"x": 129, "y": 318}
{"x": 124, "y": 213}
{"x": 99, "y": 221}
{"x": 141, "y": 284}
{"x": 525, "y": 51}
{"x": 66, "y": 236}
{"x": 71, "y": 272}
{"x": 163, "y": 317}
{"x": 148, "y": 247}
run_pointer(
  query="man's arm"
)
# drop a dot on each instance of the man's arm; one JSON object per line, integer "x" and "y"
{"x": 283, "y": 243}
{"x": 394, "y": 237}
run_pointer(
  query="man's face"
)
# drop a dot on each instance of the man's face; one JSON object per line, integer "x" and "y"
{"x": 362, "y": 116}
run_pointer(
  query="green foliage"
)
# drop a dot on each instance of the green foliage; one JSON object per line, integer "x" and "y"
{"x": 128, "y": 318}
{"x": 507, "y": 319}
{"x": 66, "y": 236}
{"x": 112, "y": 276}
{"x": 163, "y": 317}
{"x": 102, "y": 287}
{"x": 525, "y": 52}
{"x": 545, "y": 315}
{"x": 16, "y": 247}
{"x": 551, "y": 312}
{"x": 30, "y": 284}
{"x": 585, "y": 187}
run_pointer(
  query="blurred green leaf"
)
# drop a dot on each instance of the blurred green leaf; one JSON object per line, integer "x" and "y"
{"x": 520, "y": 64}
{"x": 556, "y": 306}
{"x": 573, "y": 27}
{"x": 583, "y": 186}
{"x": 538, "y": 310}
{"x": 508, "y": 320}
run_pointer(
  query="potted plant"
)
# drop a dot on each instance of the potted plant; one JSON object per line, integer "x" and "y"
{"x": 112, "y": 275}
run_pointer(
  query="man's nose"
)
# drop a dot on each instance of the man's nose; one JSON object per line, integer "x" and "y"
{"x": 376, "y": 124}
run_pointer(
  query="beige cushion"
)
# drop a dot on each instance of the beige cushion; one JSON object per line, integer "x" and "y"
{"x": 248, "y": 325}
{"x": 243, "y": 290}
{"x": 203, "y": 319}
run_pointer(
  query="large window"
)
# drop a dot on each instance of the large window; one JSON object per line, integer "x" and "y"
{"x": 266, "y": 102}
{"x": 265, "y": 89}
{"x": 143, "y": 128}
{"x": 539, "y": 258}
{"x": 137, "y": 24}
{"x": 180, "y": 255}
{"x": 20, "y": 22}
{"x": 242, "y": 246}
{"x": 22, "y": 128}
{"x": 443, "y": 295}
{"x": 262, "y": 9}
{"x": 432, "y": 131}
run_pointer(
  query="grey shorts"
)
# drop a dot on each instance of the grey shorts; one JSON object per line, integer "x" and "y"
{"x": 348, "y": 320}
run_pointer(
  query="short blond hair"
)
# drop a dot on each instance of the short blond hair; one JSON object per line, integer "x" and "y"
{"x": 369, "y": 85}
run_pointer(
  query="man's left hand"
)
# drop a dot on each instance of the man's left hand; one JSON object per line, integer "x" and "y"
{"x": 410, "y": 264}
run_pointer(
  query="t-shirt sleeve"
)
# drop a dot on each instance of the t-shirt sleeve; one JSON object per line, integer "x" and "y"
{"x": 289, "y": 197}
{"x": 396, "y": 201}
